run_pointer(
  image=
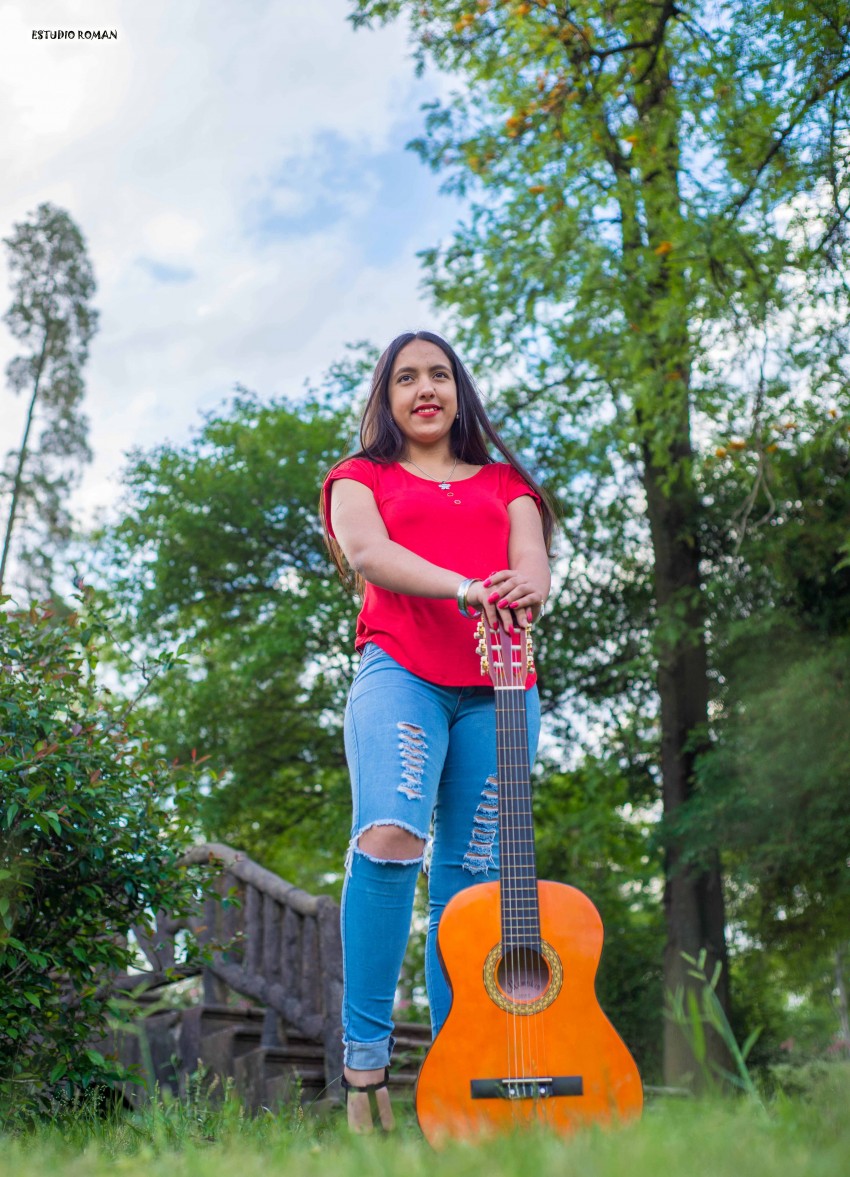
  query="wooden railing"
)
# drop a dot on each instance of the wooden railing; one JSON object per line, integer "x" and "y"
{"x": 280, "y": 946}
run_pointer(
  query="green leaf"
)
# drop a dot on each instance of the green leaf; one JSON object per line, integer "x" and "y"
{"x": 696, "y": 1027}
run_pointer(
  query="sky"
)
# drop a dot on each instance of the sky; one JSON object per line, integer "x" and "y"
{"x": 240, "y": 175}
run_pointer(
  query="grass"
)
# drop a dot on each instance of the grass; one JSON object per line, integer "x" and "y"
{"x": 721, "y": 1138}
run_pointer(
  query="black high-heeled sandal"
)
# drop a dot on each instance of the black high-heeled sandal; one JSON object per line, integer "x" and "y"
{"x": 369, "y": 1089}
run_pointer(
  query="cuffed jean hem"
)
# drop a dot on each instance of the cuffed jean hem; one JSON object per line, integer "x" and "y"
{"x": 368, "y": 1056}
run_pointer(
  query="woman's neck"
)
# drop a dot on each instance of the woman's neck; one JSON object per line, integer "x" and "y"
{"x": 437, "y": 458}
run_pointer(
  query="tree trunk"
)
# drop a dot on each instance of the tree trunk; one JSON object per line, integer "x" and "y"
{"x": 693, "y": 896}
{"x": 18, "y": 483}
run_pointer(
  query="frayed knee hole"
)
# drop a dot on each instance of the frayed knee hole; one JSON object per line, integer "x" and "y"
{"x": 391, "y": 843}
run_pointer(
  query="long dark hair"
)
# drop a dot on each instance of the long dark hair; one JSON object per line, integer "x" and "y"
{"x": 382, "y": 441}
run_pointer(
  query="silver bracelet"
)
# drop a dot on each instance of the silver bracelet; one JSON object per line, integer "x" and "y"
{"x": 462, "y": 590}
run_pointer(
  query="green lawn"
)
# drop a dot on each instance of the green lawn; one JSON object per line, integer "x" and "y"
{"x": 729, "y": 1138}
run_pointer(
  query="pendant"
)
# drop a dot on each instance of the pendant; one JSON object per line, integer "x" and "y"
{"x": 445, "y": 486}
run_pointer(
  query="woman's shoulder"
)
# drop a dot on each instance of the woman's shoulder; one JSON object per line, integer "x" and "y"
{"x": 510, "y": 481}
{"x": 358, "y": 467}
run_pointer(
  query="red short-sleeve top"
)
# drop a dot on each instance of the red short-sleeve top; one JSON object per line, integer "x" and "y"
{"x": 465, "y": 529}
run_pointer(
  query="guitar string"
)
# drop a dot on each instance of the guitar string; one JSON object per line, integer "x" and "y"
{"x": 507, "y": 882}
{"x": 512, "y": 1029}
{"x": 524, "y": 910}
{"x": 512, "y": 929}
{"x": 538, "y": 1022}
{"x": 531, "y": 952}
{"x": 517, "y": 950}
{"x": 519, "y": 908}
{"x": 518, "y": 936}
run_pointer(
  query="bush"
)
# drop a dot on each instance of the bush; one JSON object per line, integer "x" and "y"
{"x": 92, "y": 825}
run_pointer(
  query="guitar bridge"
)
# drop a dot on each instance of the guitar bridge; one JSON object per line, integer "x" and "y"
{"x": 537, "y": 1087}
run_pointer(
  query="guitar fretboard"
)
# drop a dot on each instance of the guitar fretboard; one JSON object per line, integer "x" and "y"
{"x": 518, "y": 887}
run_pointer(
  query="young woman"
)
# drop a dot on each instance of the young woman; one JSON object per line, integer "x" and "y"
{"x": 436, "y": 533}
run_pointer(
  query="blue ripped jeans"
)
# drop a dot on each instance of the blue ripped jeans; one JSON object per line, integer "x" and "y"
{"x": 414, "y": 751}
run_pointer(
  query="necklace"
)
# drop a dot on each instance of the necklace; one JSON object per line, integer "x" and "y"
{"x": 446, "y": 484}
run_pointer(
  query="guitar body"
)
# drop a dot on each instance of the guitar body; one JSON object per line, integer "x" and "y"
{"x": 539, "y": 1022}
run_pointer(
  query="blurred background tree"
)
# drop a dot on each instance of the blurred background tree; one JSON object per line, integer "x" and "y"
{"x": 52, "y": 318}
{"x": 220, "y": 552}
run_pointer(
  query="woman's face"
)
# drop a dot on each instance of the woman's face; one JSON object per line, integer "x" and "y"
{"x": 423, "y": 393}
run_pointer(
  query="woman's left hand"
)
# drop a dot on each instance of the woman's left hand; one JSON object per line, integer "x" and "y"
{"x": 512, "y": 597}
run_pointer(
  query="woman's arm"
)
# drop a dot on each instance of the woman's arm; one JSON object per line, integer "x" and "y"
{"x": 360, "y": 532}
{"x": 362, "y": 535}
{"x": 525, "y": 584}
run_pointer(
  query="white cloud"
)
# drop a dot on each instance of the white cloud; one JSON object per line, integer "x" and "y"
{"x": 181, "y": 149}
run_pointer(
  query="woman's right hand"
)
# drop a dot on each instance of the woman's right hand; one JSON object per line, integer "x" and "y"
{"x": 511, "y": 616}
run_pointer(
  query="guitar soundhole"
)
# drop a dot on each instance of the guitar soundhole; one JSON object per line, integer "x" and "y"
{"x": 523, "y": 974}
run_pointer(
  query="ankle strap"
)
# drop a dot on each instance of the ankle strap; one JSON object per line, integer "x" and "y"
{"x": 379, "y": 1086}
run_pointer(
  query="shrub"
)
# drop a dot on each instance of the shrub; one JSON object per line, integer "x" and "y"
{"x": 92, "y": 824}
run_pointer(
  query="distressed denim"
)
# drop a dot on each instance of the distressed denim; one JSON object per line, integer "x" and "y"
{"x": 417, "y": 753}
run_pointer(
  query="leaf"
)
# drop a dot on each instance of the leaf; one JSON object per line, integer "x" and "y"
{"x": 696, "y": 1027}
{"x": 750, "y": 1042}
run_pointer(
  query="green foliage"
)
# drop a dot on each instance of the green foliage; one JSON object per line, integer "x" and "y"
{"x": 52, "y": 318}
{"x": 92, "y": 826}
{"x": 220, "y": 553}
{"x": 591, "y": 834}
{"x": 697, "y": 1010}
{"x": 773, "y": 785}
{"x": 796, "y": 1033}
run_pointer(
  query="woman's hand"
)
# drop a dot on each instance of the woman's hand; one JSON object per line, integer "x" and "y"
{"x": 508, "y": 598}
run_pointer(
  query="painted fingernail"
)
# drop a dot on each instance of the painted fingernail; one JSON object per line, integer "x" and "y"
{"x": 487, "y": 582}
{"x": 503, "y": 603}
{"x": 493, "y": 597}
{"x": 513, "y": 632}
{"x": 528, "y": 615}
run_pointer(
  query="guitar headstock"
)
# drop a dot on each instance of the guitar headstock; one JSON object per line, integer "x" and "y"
{"x": 508, "y": 659}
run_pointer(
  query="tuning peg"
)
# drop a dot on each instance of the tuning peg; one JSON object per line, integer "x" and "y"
{"x": 485, "y": 666}
{"x": 481, "y": 648}
{"x": 479, "y": 629}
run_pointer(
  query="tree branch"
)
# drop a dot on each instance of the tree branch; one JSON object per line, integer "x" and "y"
{"x": 817, "y": 96}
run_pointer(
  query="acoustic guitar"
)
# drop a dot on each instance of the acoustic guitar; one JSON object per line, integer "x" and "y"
{"x": 525, "y": 1041}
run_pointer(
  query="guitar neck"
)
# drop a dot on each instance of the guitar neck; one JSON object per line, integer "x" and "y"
{"x": 518, "y": 870}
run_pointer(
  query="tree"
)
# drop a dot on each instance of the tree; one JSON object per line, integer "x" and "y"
{"x": 772, "y": 787}
{"x": 220, "y": 551}
{"x": 93, "y": 825}
{"x": 652, "y": 262}
{"x": 51, "y": 316}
